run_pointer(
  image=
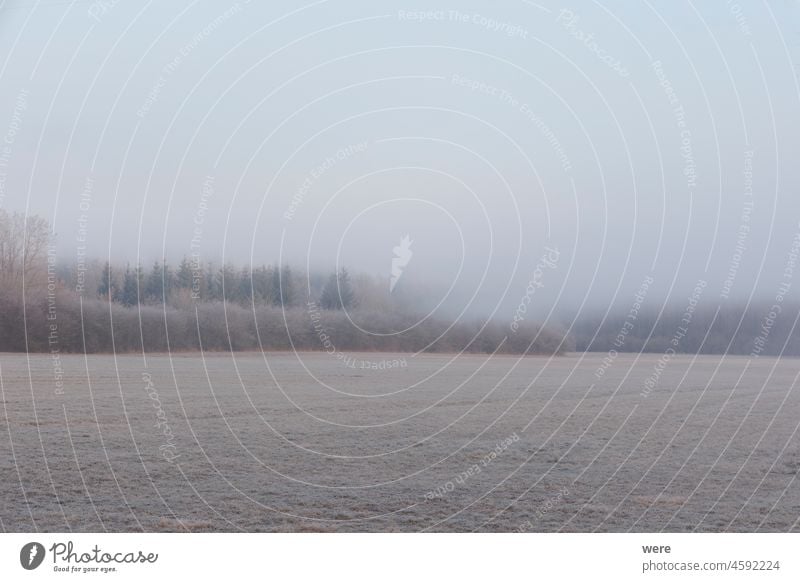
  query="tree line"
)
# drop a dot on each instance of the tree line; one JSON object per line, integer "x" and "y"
{"x": 190, "y": 280}
{"x": 46, "y": 306}
{"x": 737, "y": 329}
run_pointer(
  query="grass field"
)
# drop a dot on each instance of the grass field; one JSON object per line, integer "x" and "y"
{"x": 391, "y": 442}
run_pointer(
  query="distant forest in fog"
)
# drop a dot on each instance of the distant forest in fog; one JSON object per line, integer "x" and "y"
{"x": 94, "y": 307}
{"x": 755, "y": 330}
{"x": 101, "y": 307}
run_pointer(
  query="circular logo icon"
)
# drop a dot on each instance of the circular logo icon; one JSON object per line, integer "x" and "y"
{"x": 31, "y": 556}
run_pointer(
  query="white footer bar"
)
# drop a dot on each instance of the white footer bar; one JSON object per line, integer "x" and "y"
{"x": 402, "y": 557}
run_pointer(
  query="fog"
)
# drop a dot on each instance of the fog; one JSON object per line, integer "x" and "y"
{"x": 655, "y": 142}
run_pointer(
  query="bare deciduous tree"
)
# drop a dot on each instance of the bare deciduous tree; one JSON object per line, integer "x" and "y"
{"x": 23, "y": 243}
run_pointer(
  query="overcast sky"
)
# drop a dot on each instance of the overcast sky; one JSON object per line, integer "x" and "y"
{"x": 648, "y": 139}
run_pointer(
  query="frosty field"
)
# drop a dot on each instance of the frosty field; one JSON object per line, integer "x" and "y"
{"x": 308, "y": 442}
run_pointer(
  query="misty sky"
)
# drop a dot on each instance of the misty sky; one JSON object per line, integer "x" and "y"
{"x": 638, "y": 139}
